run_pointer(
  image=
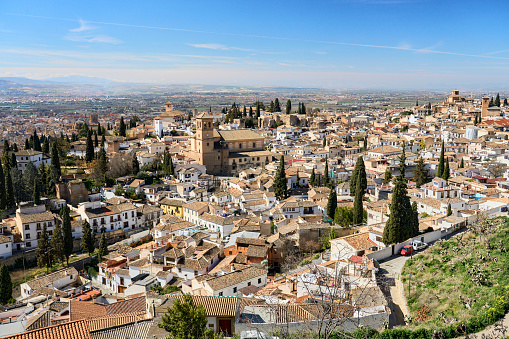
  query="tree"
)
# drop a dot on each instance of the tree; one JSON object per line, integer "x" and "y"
{"x": 57, "y": 243}
{"x": 497, "y": 100}
{"x": 9, "y": 189}
{"x": 29, "y": 175}
{"x": 420, "y": 173}
{"x": 44, "y": 249}
{"x": 103, "y": 246}
{"x": 357, "y": 205}
{"x": 422, "y": 143}
{"x": 45, "y": 146}
{"x": 135, "y": 164}
{"x": 343, "y": 216}
{"x": 449, "y": 210}
{"x": 332, "y": 203}
{"x": 505, "y": 102}
{"x": 2, "y": 187}
{"x": 36, "y": 197}
{"x": 496, "y": 169}
{"x": 5, "y": 285}
{"x": 326, "y": 175}
{"x": 491, "y": 102}
{"x": 277, "y": 106}
{"x": 441, "y": 162}
{"x": 185, "y": 320}
{"x": 37, "y": 142}
{"x": 324, "y": 142}
{"x": 67, "y": 233}
{"x": 288, "y": 106}
{"x": 121, "y": 128}
{"x": 55, "y": 159}
{"x": 415, "y": 220}
{"x": 96, "y": 140}
{"x": 365, "y": 144}
{"x": 89, "y": 148}
{"x": 387, "y": 177}
{"x": 87, "y": 240}
{"x": 462, "y": 164}
{"x": 280, "y": 182}
{"x": 447, "y": 172}
{"x": 312, "y": 177}
{"x": 359, "y": 170}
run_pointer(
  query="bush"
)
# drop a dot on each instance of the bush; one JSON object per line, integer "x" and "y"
{"x": 305, "y": 262}
{"x": 92, "y": 272}
{"x": 316, "y": 256}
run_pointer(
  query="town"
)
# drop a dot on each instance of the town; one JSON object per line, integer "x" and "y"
{"x": 278, "y": 217}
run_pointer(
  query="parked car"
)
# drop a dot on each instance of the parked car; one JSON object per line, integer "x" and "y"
{"x": 407, "y": 250}
{"x": 419, "y": 245}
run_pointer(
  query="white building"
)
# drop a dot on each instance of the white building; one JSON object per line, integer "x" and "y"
{"x": 30, "y": 220}
{"x": 109, "y": 217}
{"x": 26, "y": 156}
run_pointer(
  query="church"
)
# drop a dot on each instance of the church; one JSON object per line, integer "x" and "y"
{"x": 226, "y": 152}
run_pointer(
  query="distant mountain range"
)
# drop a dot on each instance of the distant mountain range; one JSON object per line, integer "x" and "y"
{"x": 73, "y": 79}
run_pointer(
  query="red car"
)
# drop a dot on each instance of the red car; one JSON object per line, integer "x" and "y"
{"x": 407, "y": 250}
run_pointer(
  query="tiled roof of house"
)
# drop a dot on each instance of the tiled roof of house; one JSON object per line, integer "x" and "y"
{"x": 113, "y": 320}
{"x": 50, "y": 278}
{"x": 127, "y": 306}
{"x": 257, "y": 251}
{"x": 79, "y": 310}
{"x": 70, "y": 330}
{"x": 233, "y": 278}
{"x": 358, "y": 241}
{"x": 36, "y": 217}
{"x": 136, "y": 330}
{"x": 171, "y": 202}
{"x": 214, "y": 306}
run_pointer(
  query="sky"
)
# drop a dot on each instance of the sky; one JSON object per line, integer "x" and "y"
{"x": 382, "y": 44}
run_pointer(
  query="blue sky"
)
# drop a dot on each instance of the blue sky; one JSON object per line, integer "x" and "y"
{"x": 395, "y": 44}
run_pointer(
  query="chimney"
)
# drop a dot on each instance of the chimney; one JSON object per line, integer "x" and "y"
{"x": 232, "y": 268}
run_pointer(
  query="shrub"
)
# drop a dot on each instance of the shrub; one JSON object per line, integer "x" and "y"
{"x": 305, "y": 262}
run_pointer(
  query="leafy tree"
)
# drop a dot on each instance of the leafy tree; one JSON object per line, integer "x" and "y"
{"x": 422, "y": 143}
{"x": 44, "y": 255}
{"x": 87, "y": 240}
{"x": 288, "y": 106}
{"x": 357, "y": 205}
{"x": 446, "y": 173}
{"x": 103, "y": 246}
{"x": 2, "y": 187}
{"x": 122, "y": 128}
{"x": 280, "y": 181}
{"x": 185, "y": 320}
{"x": 387, "y": 177}
{"x": 359, "y": 170}
{"x": 343, "y": 216}
{"x": 89, "y": 148}
{"x": 36, "y": 197}
{"x": 332, "y": 203}
{"x": 57, "y": 243}
{"x": 5, "y": 285}
{"x": 420, "y": 173}
{"x": 441, "y": 162}
{"x": 449, "y": 210}
{"x": 67, "y": 233}
{"x": 497, "y": 100}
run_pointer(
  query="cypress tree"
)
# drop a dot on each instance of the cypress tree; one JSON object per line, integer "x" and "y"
{"x": 387, "y": 177}
{"x": 288, "y": 106}
{"x": 36, "y": 197}
{"x": 365, "y": 144}
{"x": 87, "y": 240}
{"x": 505, "y": 102}
{"x": 280, "y": 182}
{"x": 121, "y": 128}
{"x": 398, "y": 226}
{"x": 37, "y": 142}
{"x": 462, "y": 164}
{"x": 45, "y": 146}
{"x": 332, "y": 203}
{"x": 171, "y": 169}
{"x": 13, "y": 162}
{"x": 497, "y": 100}
{"x": 96, "y": 140}
{"x": 440, "y": 170}
{"x": 357, "y": 205}
{"x": 312, "y": 177}
{"x": 415, "y": 220}
{"x": 103, "y": 246}
{"x": 359, "y": 169}
{"x": 57, "y": 243}
{"x": 99, "y": 130}
{"x": 446, "y": 174}
{"x": 2, "y": 187}
{"x": 250, "y": 111}
{"x": 324, "y": 142}
{"x": 103, "y": 140}
{"x": 5, "y": 285}
{"x": 326, "y": 174}
{"x": 257, "y": 110}
{"x": 135, "y": 164}
{"x": 449, "y": 210}
{"x": 491, "y": 102}
{"x": 277, "y": 106}
{"x": 67, "y": 234}
{"x": 44, "y": 249}
{"x": 15, "y": 146}
{"x": 89, "y": 148}
{"x": 9, "y": 191}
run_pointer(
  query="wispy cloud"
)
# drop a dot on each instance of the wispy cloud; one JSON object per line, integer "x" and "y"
{"x": 340, "y": 43}
{"x": 93, "y": 38}
{"x": 84, "y": 26}
{"x": 320, "y": 52}
{"x": 498, "y": 52}
{"x": 220, "y": 47}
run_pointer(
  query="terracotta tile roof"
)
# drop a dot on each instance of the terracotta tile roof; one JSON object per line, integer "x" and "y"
{"x": 214, "y": 306}
{"x": 71, "y": 330}
{"x": 36, "y": 217}
{"x": 257, "y": 251}
{"x": 358, "y": 241}
{"x": 112, "y": 320}
{"x": 250, "y": 241}
{"x": 127, "y": 306}
{"x": 79, "y": 310}
{"x": 137, "y": 330}
{"x": 233, "y": 278}
{"x": 50, "y": 278}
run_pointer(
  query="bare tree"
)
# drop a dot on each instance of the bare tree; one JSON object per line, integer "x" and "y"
{"x": 496, "y": 169}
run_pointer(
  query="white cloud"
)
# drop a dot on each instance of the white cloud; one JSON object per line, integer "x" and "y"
{"x": 83, "y": 27}
{"x": 93, "y": 38}
{"x": 220, "y": 47}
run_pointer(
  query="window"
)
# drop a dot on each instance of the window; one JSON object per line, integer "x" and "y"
{"x": 235, "y": 290}
{"x": 27, "y": 227}
{"x": 259, "y": 280}
{"x": 220, "y": 294}
{"x": 248, "y": 283}
{"x": 180, "y": 270}
{"x": 27, "y": 236}
{"x": 254, "y": 145}
{"x": 29, "y": 244}
{"x": 195, "y": 272}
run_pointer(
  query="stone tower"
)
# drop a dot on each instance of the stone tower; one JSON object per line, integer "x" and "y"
{"x": 169, "y": 106}
{"x": 485, "y": 105}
